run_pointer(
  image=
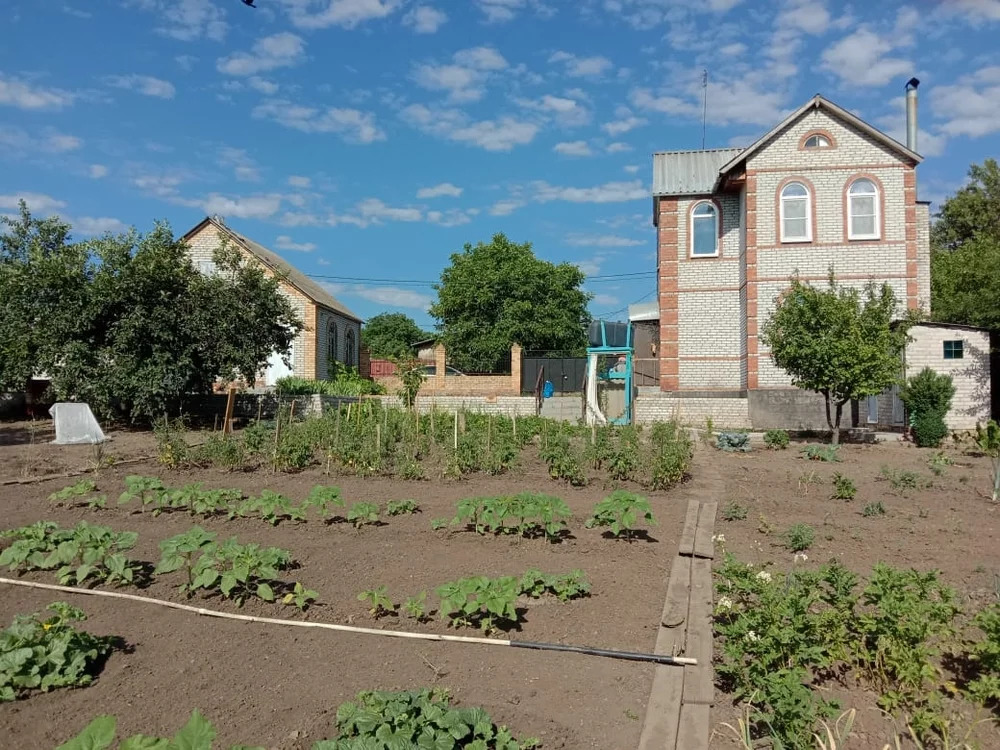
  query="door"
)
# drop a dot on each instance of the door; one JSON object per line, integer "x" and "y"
{"x": 276, "y": 367}
{"x": 873, "y": 410}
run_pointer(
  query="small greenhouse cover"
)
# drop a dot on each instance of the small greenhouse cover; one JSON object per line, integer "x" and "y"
{"x": 75, "y": 425}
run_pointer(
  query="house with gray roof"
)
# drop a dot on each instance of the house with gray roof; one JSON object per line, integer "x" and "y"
{"x": 332, "y": 332}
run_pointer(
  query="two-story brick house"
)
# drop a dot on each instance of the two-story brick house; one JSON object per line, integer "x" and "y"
{"x": 332, "y": 332}
{"x": 822, "y": 189}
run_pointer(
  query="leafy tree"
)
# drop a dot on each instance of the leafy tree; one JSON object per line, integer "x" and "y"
{"x": 833, "y": 342}
{"x": 125, "y": 322}
{"x": 493, "y": 295}
{"x": 965, "y": 256}
{"x": 389, "y": 335}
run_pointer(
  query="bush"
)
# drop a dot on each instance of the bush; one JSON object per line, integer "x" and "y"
{"x": 927, "y": 396}
{"x": 733, "y": 442}
{"x": 776, "y": 439}
{"x": 345, "y": 382}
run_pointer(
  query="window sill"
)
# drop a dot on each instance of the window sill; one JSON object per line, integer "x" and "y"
{"x": 797, "y": 242}
{"x": 864, "y": 239}
{"x": 703, "y": 256}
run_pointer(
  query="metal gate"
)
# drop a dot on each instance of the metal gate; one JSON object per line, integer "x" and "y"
{"x": 567, "y": 374}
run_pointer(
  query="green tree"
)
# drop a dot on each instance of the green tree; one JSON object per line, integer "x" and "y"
{"x": 835, "y": 343}
{"x": 389, "y": 335}
{"x": 965, "y": 252}
{"x": 496, "y": 294}
{"x": 125, "y": 322}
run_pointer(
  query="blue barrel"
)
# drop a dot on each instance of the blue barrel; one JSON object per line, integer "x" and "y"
{"x": 548, "y": 389}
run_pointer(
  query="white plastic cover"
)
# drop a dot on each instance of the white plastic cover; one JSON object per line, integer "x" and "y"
{"x": 75, "y": 425}
{"x": 594, "y": 415}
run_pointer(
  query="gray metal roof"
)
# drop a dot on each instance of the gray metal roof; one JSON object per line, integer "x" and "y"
{"x": 644, "y": 311}
{"x": 689, "y": 172}
{"x": 294, "y": 276}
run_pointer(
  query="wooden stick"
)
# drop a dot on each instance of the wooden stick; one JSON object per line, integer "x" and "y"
{"x": 260, "y": 405}
{"x": 489, "y": 433}
{"x": 456, "y": 430}
{"x": 227, "y": 425}
{"x": 631, "y": 656}
{"x": 291, "y": 412}
{"x": 215, "y": 425}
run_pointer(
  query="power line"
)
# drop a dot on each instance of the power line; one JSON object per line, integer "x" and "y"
{"x": 421, "y": 282}
{"x": 643, "y": 298}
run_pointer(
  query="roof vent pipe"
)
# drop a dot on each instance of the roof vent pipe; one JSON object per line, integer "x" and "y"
{"x": 911, "y": 114}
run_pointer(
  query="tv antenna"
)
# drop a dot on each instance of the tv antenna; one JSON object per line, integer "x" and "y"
{"x": 704, "y": 104}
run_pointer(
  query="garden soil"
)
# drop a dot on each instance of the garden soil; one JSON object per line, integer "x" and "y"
{"x": 280, "y": 687}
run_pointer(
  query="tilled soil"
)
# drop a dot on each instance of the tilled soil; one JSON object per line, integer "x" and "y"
{"x": 280, "y": 687}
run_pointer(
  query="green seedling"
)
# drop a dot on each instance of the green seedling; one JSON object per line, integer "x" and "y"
{"x": 776, "y": 439}
{"x": 361, "y": 514}
{"x": 300, "y": 596}
{"x": 414, "y": 606}
{"x": 799, "y": 537}
{"x": 829, "y": 453}
{"x": 479, "y": 601}
{"x": 147, "y": 490}
{"x": 324, "y": 499}
{"x": 939, "y": 462}
{"x": 439, "y": 523}
{"x": 379, "y": 604}
{"x": 271, "y": 507}
{"x": 99, "y": 734}
{"x": 735, "y": 511}
{"x": 401, "y": 507}
{"x": 572, "y": 585}
{"x": 74, "y": 491}
{"x": 873, "y": 509}
{"x": 620, "y": 512}
{"x": 843, "y": 487}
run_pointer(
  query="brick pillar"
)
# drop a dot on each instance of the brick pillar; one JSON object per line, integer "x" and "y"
{"x": 667, "y": 251}
{"x": 365, "y": 362}
{"x": 440, "y": 360}
{"x": 309, "y": 342}
{"x": 910, "y": 202}
{"x": 515, "y": 369}
{"x": 753, "y": 328}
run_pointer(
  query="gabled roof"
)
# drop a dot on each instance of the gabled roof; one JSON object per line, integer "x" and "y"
{"x": 276, "y": 263}
{"x": 819, "y": 102}
{"x": 689, "y": 172}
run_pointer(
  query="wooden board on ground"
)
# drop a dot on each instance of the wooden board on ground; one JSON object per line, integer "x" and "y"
{"x": 675, "y": 609}
{"x": 703, "y": 544}
{"x": 663, "y": 712}
{"x": 693, "y": 732}
{"x": 698, "y": 679}
{"x": 686, "y": 546}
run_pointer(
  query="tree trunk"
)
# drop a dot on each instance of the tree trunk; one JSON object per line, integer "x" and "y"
{"x": 834, "y": 424}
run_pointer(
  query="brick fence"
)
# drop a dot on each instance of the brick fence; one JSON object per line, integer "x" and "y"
{"x": 441, "y": 384}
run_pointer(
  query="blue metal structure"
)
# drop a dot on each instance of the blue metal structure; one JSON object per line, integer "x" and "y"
{"x": 613, "y": 374}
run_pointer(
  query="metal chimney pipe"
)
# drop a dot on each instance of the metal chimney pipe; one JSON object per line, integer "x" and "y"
{"x": 911, "y": 113}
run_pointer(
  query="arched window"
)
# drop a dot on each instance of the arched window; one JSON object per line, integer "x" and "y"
{"x": 817, "y": 140}
{"x": 331, "y": 344}
{"x": 863, "y": 210}
{"x": 796, "y": 222}
{"x": 349, "y": 348}
{"x": 704, "y": 230}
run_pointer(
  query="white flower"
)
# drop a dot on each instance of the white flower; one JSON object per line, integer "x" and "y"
{"x": 749, "y": 566}
{"x": 764, "y": 576}
{"x": 801, "y": 557}
{"x": 724, "y": 603}
{"x": 752, "y": 636}
{"x": 720, "y": 538}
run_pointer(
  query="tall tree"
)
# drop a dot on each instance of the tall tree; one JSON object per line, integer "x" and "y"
{"x": 497, "y": 294}
{"x": 389, "y": 335}
{"x": 835, "y": 343}
{"x": 965, "y": 252}
{"x": 125, "y": 322}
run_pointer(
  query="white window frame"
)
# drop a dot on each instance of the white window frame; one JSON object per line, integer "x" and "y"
{"x": 877, "y": 201}
{"x": 781, "y": 211}
{"x": 817, "y": 136}
{"x": 715, "y": 229}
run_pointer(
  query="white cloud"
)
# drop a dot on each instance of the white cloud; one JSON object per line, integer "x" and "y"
{"x": 437, "y": 191}
{"x": 605, "y": 300}
{"x": 502, "y": 134}
{"x": 17, "y": 93}
{"x": 186, "y": 62}
{"x": 566, "y": 111}
{"x": 970, "y": 106}
{"x": 505, "y": 207}
{"x": 284, "y": 242}
{"x": 390, "y": 296}
{"x": 348, "y": 14}
{"x": 609, "y": 192}
{"x": 280, "y": 50}
{"x": 451, "y": 218}
{"x": 77, "y": 12}
{"x": 244, "y": 168}
{"x": 974, "y": 10}
{"x": 163, "y": 185}
{"x": 740, "y": 100}
{"x": 188, "y": 20}
{"x": 424, "y": 19}
{"x": 601, "y": 240}
{"x": 299, "y": 181}
{"x": 97, "y": 171}
{"x": 90, "y": 226}
{"x": 38, "y": 203}
{"x": 733, "y": 50}
{"x": 626, "y": 121}
{"x": 352, "y": 125}
{"x": 242, "y": 207}
{"x": 617, "y": 148}
{"x": 145, "y": 85}
{"x": 376, "y": 211}
{"x": 573, "y": 148}
{"x": 465, "y": 77}
{"x": 861, "y": 59}
{"x": 500, "y": 11}
{"x": 581, "y": 66}
{"x": 264, "y": 86}
{"x": 19, "y": 142}
{"x": 590, "y": 266}
{"x": 810, "y": 16}
{"x": 631, "y": 168}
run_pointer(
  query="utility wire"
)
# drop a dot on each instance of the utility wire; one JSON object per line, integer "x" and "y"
{"x": 422, "y": 282}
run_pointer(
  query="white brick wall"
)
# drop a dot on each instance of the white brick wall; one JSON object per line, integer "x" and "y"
{"x": 201, "y": 248}
{"x": 724, "y": 412}
{"x": 970, "y": 375}
{"x": 342, "y": 325}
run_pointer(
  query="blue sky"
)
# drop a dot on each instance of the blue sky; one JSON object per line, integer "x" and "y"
{"x": 370, "y": 139}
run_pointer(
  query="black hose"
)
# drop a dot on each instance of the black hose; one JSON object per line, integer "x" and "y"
{"x": 610, "y": 653}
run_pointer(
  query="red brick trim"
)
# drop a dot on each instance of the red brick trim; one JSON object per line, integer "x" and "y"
{"x": 812, "y": 209}
{"x": 910, "y": 203}
{"x": 880, "y": 198}
{"x": 689, "y": 254}
{"x": 668, "y": 258}
{"x": 819, "y": 131}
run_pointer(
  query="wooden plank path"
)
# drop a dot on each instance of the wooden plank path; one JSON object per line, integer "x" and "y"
{"x": 679, "y": 707}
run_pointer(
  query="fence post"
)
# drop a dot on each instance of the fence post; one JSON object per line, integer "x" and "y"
{"x": 440, "y": 362}
{"x": 516, "y": 354}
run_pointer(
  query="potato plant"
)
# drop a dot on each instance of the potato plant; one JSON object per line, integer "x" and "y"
{"x": 417, "y": 719}
{"x": 528, "y": 514}
{"x": 620, "y": 512}
{"x": 43, "y": 651}
{"x": 984, "y": 687}
{"x": 77, "y": 555}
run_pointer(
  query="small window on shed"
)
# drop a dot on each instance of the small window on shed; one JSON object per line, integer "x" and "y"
{"x": 954, "y": 349}
{"x": 817, "y": 141}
